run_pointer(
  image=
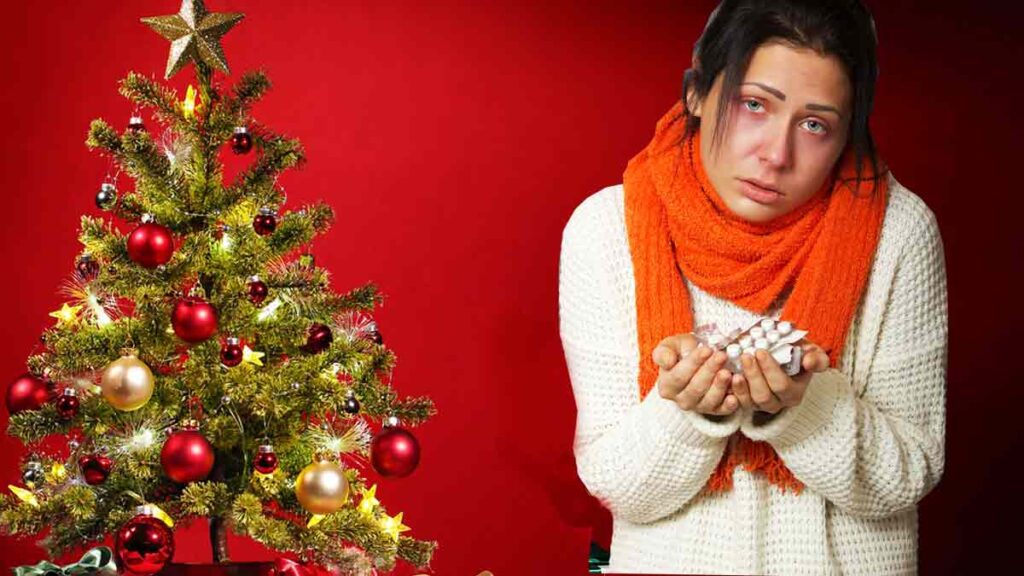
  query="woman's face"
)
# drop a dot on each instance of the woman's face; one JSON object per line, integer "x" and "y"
{"x": 787, "y": 129}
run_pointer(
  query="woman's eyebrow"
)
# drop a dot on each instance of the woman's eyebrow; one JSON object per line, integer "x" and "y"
{"x": 782, "y": 96}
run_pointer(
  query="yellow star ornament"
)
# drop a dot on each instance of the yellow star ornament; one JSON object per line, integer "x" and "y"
{"x": 195, "y": 35}
{"x": 251, "y": 356}
{"x": 58, "y": 472}
{"x": 393, "y": 526}
{"x": 315, "y": 519}
{"x": 24, "y": 495}
{"x": 369, "y": 500}
{"x": 66, "y": 314}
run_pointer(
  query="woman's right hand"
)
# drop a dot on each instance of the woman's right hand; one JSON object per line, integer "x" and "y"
{"x": 693, "y": 377}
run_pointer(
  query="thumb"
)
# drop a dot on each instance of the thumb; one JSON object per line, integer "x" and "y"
{"x": 664, "y": 356}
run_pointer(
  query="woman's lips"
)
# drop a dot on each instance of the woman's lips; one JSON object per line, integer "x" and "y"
{"x": 759, "y": 194}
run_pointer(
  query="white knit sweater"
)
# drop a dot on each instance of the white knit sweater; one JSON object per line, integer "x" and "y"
{"x": 867, "y": 440}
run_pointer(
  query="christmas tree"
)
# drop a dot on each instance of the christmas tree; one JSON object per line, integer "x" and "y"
{"x": 203, "y": 367}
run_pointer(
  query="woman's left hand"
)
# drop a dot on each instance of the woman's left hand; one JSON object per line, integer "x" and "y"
{"x": 765, "y": 386}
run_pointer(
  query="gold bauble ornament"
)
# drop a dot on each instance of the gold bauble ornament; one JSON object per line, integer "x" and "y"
{"x": 127, "y": 383}
{"x": 322, "y": 487}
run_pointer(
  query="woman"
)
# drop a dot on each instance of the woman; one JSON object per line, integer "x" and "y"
{"x": 761, "y": 194}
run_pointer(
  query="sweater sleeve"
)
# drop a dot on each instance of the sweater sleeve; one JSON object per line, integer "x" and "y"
{"x": 879, "y": 452}
{"x": 644, "y": 459}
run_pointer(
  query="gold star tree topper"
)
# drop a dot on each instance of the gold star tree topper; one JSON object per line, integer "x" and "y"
{"x": 195, "y": 35}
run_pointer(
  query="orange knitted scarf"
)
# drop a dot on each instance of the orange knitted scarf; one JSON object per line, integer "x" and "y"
{"x": 822, "y": 251}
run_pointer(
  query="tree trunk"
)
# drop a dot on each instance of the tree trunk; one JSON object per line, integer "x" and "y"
{"x": 219, "y": 539}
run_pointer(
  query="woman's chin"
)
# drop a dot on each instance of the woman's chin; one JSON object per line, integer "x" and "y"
{"x": 753, "y": 212}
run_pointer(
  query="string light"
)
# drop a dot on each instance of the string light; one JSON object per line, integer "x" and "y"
{"x": 269, "y": 310}
{"x": 141, "y": 440}
{"x": 188, "y": 108}
{"x": 98, "y": 312}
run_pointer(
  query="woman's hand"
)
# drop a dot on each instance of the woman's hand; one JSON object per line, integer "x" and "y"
{"x": 766, "y": 387}
{"x": 693, "y": 377}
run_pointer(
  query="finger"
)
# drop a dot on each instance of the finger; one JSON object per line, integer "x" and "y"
{"x": 713, "y": 398}
{"x": 664, "y": 354}
{"x": 778, "y": 381}
{"x": 728, "y": 406}
{"x": 760, "y": 392}
{"x": 815, "y": 360}
{"x": 815, "y": 357}
{"x": 671, "y": 382}
{"x": 672, "y": 349}
{"x": 742, "y": 391}
{"x": 701, "y": 381}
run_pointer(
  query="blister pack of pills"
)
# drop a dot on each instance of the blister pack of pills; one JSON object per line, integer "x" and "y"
{"x": 778, "y": 338}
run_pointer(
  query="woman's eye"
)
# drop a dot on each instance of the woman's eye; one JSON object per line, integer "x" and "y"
{"x": 815, "y": 127}
{"x": 753, "y": 105}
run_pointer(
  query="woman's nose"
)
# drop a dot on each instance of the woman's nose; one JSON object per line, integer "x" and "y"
{"x": 777, "y": 147}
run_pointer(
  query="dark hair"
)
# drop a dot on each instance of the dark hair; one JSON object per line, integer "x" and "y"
{"x": 736, "y": 28}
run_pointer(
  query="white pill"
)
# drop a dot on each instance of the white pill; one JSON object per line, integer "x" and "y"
{"x": 761, "y": 344}
{"x": 733, "y": 350}
{"x": 785, "y": 327}
{"x": 757, "y": 332}
{"x": 746, "y": 342}
{"x": 715, "y": 341}
{"x": 772, "y": 336}
{"x": 768, "y": 324}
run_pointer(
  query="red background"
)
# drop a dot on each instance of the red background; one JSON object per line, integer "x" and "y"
{"x": 454, "y": 142}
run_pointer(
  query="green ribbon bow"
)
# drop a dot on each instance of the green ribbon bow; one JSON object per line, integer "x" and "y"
{"x": 96, "y": 562}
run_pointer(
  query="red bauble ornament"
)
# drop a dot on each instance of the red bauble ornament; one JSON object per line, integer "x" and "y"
{"x": 187, "y": 456}
{"x": 95, "y": 468}
{"x": 318, "y": 339}
{"x": 135, "y": 124}
{"x": 265, "y": 222}
{"x": 28, "y": 393}
{"x": 351, "y": 405}
{"x": 241, "y": 140}
{"x": 150, "y": 245}
{"x": 144, "y": 545}
{"x": 266, "y": 460}
{"x": 231, "y": 353}
{"x": 194, "y": 319}
{"x": 394, "y": 452}
{"x": 67, "y": 404}
{"x": 86, "y": 268}
{"x": 257, "y": 290}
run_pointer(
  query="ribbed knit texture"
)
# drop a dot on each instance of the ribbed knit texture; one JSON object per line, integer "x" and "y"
{"x": 866, "y": 441}
{"x": 677, "y": 224}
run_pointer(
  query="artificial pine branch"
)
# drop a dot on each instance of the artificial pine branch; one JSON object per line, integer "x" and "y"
{"x": 103, "y": 136}
{"x": 150, "y": 93}
{"x": 416, "y": 552}
{"x": 277, "y": 155}
{"x": 235, "y": 107}
{"x": 363, "y": 299}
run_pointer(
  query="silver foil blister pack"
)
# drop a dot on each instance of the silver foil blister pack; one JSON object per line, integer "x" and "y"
{"x": 777, "y": 338}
